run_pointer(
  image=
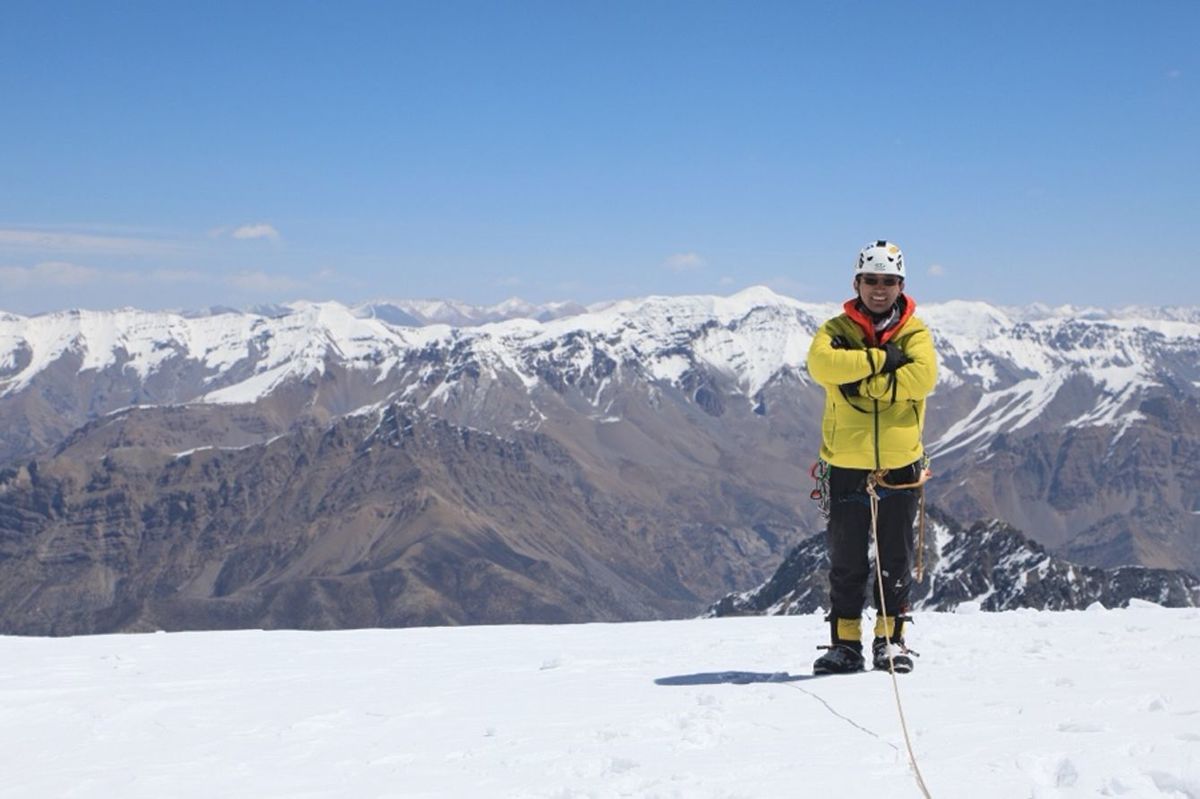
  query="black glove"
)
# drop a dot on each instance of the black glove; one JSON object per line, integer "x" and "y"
{"x": 842, "y": 343}
{"x": 893, "y": 358}
{"x": 839, "y": 343}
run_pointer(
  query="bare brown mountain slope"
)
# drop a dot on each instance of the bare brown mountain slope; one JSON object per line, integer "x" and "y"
{"x": 1094, "y": 495}
{"x": 377, "y": 520}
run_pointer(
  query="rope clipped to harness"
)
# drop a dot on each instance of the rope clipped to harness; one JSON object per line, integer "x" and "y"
{"x": 919, "y": 485}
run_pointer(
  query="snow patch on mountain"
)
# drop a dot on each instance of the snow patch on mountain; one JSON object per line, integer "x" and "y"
{"x": 1019, "y": 358}
{"x": 999, "y": 412}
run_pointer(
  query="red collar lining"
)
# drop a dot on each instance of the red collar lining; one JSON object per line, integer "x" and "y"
{"x": 867, "y": 325}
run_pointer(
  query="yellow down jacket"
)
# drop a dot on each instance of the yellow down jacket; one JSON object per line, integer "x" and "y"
{"x": 881, "y": 428}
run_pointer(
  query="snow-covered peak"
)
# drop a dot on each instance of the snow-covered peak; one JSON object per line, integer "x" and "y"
{"x": 515, "y": 306}
{"x": 680, "y": 310}
{"x": 416, "y": 313}
{"x": 1021, "y": 358}
{"x": 1037, "y": 312}
{"x": 141, "y": 342}
{"x": 976, "y": 320}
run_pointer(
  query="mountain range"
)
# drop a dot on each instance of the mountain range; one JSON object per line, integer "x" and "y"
{"x": 318, "y": 465}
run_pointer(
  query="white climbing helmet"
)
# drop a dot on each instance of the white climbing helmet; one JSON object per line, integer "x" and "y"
{"x": 880, "y": 258}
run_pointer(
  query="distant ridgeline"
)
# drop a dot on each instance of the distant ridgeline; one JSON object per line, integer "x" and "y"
{"x": 990, "y": 563}
{"x": 319, "y": 466}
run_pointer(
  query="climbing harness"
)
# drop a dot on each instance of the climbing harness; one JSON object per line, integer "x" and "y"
{"x": 919, "y": 485}
{"x": 873, "y": 480}
{"x": 820, "y": 494}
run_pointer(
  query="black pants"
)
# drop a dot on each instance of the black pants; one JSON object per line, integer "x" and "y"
{"x": 850, "y": 539}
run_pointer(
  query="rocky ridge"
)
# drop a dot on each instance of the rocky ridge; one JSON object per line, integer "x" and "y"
{"x": 990, "y": 564}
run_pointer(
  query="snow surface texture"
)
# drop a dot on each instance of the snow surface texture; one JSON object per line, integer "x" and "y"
{"x": 1014, "y": 704}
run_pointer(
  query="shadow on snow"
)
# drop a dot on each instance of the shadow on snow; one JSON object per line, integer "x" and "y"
{"x": 731, "y": 678}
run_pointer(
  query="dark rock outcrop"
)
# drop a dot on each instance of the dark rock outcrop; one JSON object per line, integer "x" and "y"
{"x": 990, "y": 563}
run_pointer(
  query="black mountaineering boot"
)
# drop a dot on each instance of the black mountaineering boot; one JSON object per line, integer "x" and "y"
{"x": 888, "y": 650}
{"x": 844, "y": 654}
{"x": 840, "y": 659}
{"x": 892, "y": 656}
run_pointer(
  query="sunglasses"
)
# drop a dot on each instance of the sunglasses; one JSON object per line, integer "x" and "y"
{"x": 871, "y": 280}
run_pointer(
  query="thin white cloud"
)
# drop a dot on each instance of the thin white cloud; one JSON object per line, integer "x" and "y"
{"x": 49, "y": 273}
{"x": 65, "y": 273}
{"x": 1174, "y": 73}
{"x": 30, "y": 239}
{"x": 259, "y": 230}
{"x": 727, "y": 281}
{"x": 936, "y": 270}
{"x": 683, "y": 262}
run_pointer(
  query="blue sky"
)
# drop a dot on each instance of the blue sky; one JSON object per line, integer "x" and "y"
{"x": 191, "y": 154}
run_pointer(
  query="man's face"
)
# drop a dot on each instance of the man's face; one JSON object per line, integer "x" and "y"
{"x": 878, "y": 292}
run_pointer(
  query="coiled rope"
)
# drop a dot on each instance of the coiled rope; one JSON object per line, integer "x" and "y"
{"x": 874, "y": 479}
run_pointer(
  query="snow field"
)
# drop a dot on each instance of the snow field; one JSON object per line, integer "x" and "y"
{"x": 1018, "y": 704}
